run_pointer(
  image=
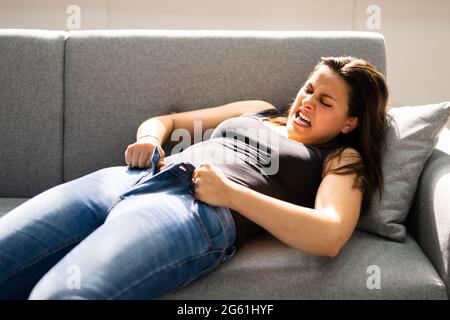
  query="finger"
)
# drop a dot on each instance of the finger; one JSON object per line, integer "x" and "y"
{"x": 148, "y": 162}
{"x": 129, "y": 155}
{"x": 143, "y": 157}
{"x": 160, "y": 164}
{"x": 135, "y": 159}
{"x": 125, "y": 157}
{"x": 205, "y": 164}
{"x": 200, "y": 169}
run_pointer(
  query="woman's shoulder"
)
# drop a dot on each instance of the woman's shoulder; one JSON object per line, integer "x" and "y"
{"x": 351, "y": 152}
{"x": 349, "y": 155}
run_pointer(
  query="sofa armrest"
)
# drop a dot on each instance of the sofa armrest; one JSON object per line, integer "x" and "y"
{"x": 429, "y": 218}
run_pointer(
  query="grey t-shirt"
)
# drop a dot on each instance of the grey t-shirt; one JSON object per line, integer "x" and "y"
{"x": 256, "y": 156}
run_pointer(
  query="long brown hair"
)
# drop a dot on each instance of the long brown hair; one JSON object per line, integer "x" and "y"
{"x": 368, "y": 99}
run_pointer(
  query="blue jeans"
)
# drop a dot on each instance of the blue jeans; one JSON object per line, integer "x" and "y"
{"x": 117, "y": 233}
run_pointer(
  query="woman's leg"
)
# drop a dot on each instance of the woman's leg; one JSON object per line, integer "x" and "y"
{"x": 156, "y": 239}
{"x": 37, "y": 234}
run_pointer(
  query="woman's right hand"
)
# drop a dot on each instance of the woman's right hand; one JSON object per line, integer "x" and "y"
{"x": 139, "y": 153}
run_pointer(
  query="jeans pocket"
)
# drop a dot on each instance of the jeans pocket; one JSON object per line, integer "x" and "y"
{"x": 195, "y": 207}
{"x": 211, "y": 224}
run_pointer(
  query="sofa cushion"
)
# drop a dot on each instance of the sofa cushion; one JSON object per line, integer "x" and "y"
{"x": 7, "y": 204}
{"x": 31, "y": 111}
{"x": 412, "y": 135}
{"x": 265, "y": 268}
{"x": 116, "y": 79}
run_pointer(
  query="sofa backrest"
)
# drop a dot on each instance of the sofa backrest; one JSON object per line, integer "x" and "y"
{"x": 115, "y": 80}
{"x": 31, "y": 111}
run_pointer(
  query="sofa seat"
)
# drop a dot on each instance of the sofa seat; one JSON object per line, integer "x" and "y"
{"x": 7, "y": 204}
{"x": 265, "y": 268}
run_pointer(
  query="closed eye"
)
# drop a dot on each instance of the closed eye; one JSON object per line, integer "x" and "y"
{"x": 308, "y": 91}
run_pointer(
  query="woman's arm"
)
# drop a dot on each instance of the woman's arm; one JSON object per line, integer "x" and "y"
{"x": 159, "y": 129}
{"x": 323, "y": 230}
{"x": 162, "y": 126}
{"x": 303, "y": 228}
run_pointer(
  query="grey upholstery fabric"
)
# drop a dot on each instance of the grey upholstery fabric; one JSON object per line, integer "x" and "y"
{"x": 266, "y": 268}
{"x": 411, "y": 138}
{"x": 429, "y": 219}
{"x": 7, "y": 204}
{"x": 31, "y": 111}
{"x": 115, "y": 80}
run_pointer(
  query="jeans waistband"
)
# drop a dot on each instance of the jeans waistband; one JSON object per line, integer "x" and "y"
{"x": 184, "y": 171}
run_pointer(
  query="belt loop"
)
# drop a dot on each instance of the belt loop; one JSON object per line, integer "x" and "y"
{"x": 189, "y": 166}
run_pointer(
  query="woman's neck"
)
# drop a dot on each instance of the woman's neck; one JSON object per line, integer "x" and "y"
{"x": 329, "y": 144}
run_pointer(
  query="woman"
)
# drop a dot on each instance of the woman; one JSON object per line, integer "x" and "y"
{"x": 145, "y": 230}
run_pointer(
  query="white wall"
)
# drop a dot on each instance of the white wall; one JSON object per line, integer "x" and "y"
{"x": 417, "y": 32}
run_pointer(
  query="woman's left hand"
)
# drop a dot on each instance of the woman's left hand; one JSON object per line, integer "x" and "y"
{"x": 211, "y": 185}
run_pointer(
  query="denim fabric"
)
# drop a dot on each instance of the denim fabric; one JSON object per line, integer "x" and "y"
{"x": 117, "y": 233}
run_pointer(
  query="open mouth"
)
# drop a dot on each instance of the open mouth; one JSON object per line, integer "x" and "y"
{"x": 302, "y": 120}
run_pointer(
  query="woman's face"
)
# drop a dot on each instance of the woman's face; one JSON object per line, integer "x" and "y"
{"x": 324, "y": 101}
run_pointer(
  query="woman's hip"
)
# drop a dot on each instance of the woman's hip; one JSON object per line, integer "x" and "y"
{"x": 150, "y": 244}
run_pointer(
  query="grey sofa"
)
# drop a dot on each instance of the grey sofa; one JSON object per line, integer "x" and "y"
{"x": 71, "y": 102}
